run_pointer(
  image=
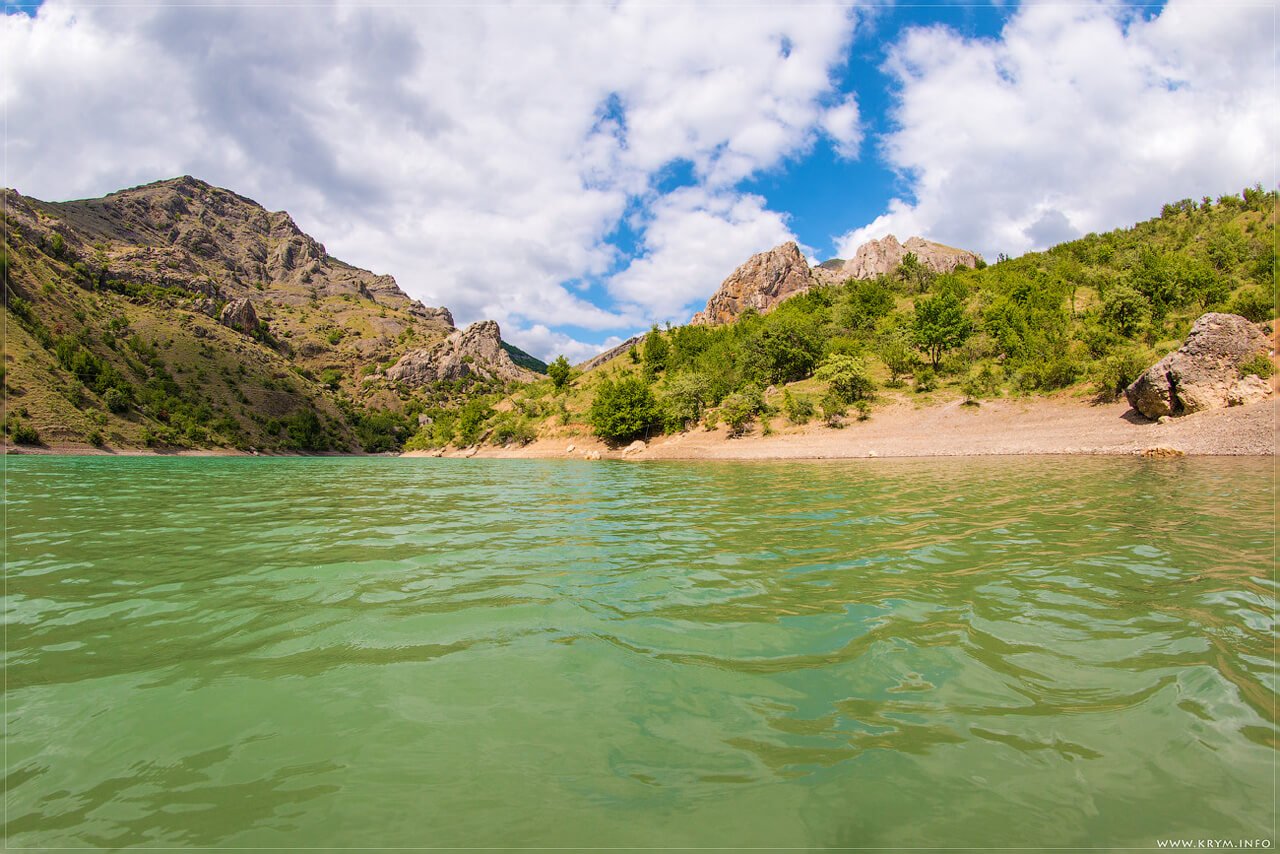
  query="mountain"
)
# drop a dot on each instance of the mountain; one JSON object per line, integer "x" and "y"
{"x": 182, "y": 314}
{"x": 765, "y": 280}
{"x": 882, "y": 257}
{"x": 768, "y": 278}
{"x": 475, "y": 351}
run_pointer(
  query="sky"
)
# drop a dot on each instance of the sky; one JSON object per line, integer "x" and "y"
{"x": 580, "y": 171}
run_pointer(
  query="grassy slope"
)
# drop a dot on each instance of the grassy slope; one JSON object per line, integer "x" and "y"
{"x": 1041, "y": 324}
{"x": 326, "y": 340}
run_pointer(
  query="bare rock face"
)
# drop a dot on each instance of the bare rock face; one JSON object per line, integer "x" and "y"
{"x": 240, "y": 315}
{"x": 613, "y": 352}
{"x": 1204, "y": 372}
{"x": 426, "y": 312}
{"x": 761, "y": 283}
{"x": 882, "y": 257}
{"x": 475, "y": 350}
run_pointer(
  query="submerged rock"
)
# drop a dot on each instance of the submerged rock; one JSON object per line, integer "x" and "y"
{"x": 1204, "y": 373}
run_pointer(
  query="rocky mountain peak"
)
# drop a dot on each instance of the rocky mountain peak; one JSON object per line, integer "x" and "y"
{"x": 881, "y": 257}
{"x": 476, "y": 350}
{"x": 765, "y": 280}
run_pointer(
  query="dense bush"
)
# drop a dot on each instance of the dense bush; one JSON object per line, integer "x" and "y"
{"x": 623, "y": 409}
{"x": 1260, "y": 366}
{"x": 559, "y": 371}
{"x": 846, "y": 377}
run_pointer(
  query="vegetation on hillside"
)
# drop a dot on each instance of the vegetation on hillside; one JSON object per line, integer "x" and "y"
{"x": 1088, "y": 315}
{"x": 94, "y": 359}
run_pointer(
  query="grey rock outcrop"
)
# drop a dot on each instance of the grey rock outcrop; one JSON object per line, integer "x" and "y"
{"x": 239, "y": 314}
{"x": 426, "y": 312}
{"x": 476, "y": 350}
{"x": 882, "y": 257}
{"x": 1204, "y": 373}
{"x": 765, "y": 280}
{"x": 612, "y": 353}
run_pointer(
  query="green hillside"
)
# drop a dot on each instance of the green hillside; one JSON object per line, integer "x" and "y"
{"x": 1085, "y": 318}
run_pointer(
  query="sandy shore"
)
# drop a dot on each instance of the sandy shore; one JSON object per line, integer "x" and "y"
{"x": 1000, "y": 427}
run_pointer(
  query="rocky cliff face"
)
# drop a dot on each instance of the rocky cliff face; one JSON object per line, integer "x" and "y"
{"x": 761, "y": 283}
{"x": 476, "y": 350}
{"x": 882, "y": 257}
{"x": 1204, "y": 373}
{"x": 187, "y": 234}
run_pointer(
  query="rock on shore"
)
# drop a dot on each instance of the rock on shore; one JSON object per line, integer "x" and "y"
{"x": 1204, "y": 373}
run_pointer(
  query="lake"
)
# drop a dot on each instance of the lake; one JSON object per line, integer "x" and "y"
{"x": 424, "y": 652}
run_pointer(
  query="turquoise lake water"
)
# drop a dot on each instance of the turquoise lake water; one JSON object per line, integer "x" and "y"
{"x": 1064, "y": 652}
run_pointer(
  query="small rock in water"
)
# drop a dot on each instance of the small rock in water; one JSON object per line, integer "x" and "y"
{"x": 1156, "y": 453}
{"x": 592, "y": 455}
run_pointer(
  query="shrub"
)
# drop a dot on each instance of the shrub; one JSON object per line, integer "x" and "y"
{"x": 1256, "y": 304}
{"x": 559, "y": 371}
{"x": 623, "y": 409}
{"x": 799, "y": 410}
{"x": 864, "y": 409}
{"x": 898, "y": 357}
{"x": 304, "y": 431}
{"x": 846, "y": 376}
{"x": 511, "y": 430}
{"x": 1260, "y": 366}
{"x": 95, "y": 438}
{"x": 740, "y": 408}
{"x": 471, "y": 420}
{"x": 940, "y": 323}
{"x": 980, "y": 384}
{"x": 334, "y": 336}
{"x": 926, "y": 380}
{"x": 115, "y": 400}
{"x": 1115, "y": 372}
{"x": 655, "y": 351}
{"x": 684, "y": 397}
{"x": 833, "y": 408}
{"x": 23, "y": 434}
{"x": 1125, "y": 310}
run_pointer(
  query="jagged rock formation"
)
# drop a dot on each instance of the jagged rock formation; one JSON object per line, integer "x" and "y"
{"x": 240, "y": 315}
{"x": 882, "y": 257}
{"x": 187, "y": 234}
{"x": 1204, "y": 373}
{"x": 612, "y": 353}
{"x": 476, "y": 350}
{"x": 765, "y": 280}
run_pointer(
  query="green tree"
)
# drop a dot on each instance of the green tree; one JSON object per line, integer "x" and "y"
{"x": 683, "y": 397}
{"x": 939, "y": 324}
{"x": 471, "y": 420}
{"x": 559, "y": 371}
{"x": 1125, "y": 310}
{"x": 846, "y": 377}
{"x": 623, "y": 409}
{"x": 866, "y": 301}
{"x": 656, "y": 350}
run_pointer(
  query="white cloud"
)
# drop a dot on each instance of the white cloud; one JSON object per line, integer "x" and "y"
{"x": 1078, "y": 118}
{"x": 695, "y": 239}
{"x": 481, "y": 155}
{"x": 843, "y": 123}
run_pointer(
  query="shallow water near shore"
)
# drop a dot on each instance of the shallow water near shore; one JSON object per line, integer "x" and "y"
{"x": 421, "y": 652}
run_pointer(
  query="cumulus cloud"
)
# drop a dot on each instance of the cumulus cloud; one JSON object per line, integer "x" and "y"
{"x": 482, "y": 155}
{"x": 1077, "y": 118}
{"x": 843, "y": 124}
{"x": 694, "y": 239}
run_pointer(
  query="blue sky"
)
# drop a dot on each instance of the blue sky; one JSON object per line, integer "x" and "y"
{"x": 578, "y": 173}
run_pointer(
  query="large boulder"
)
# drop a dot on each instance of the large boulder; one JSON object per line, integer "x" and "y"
{"x": 476, "y": 350}
{"x": 761, "y": 283}
{"x": 240, "y": 315}
{"x": 1204, "y": 373}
